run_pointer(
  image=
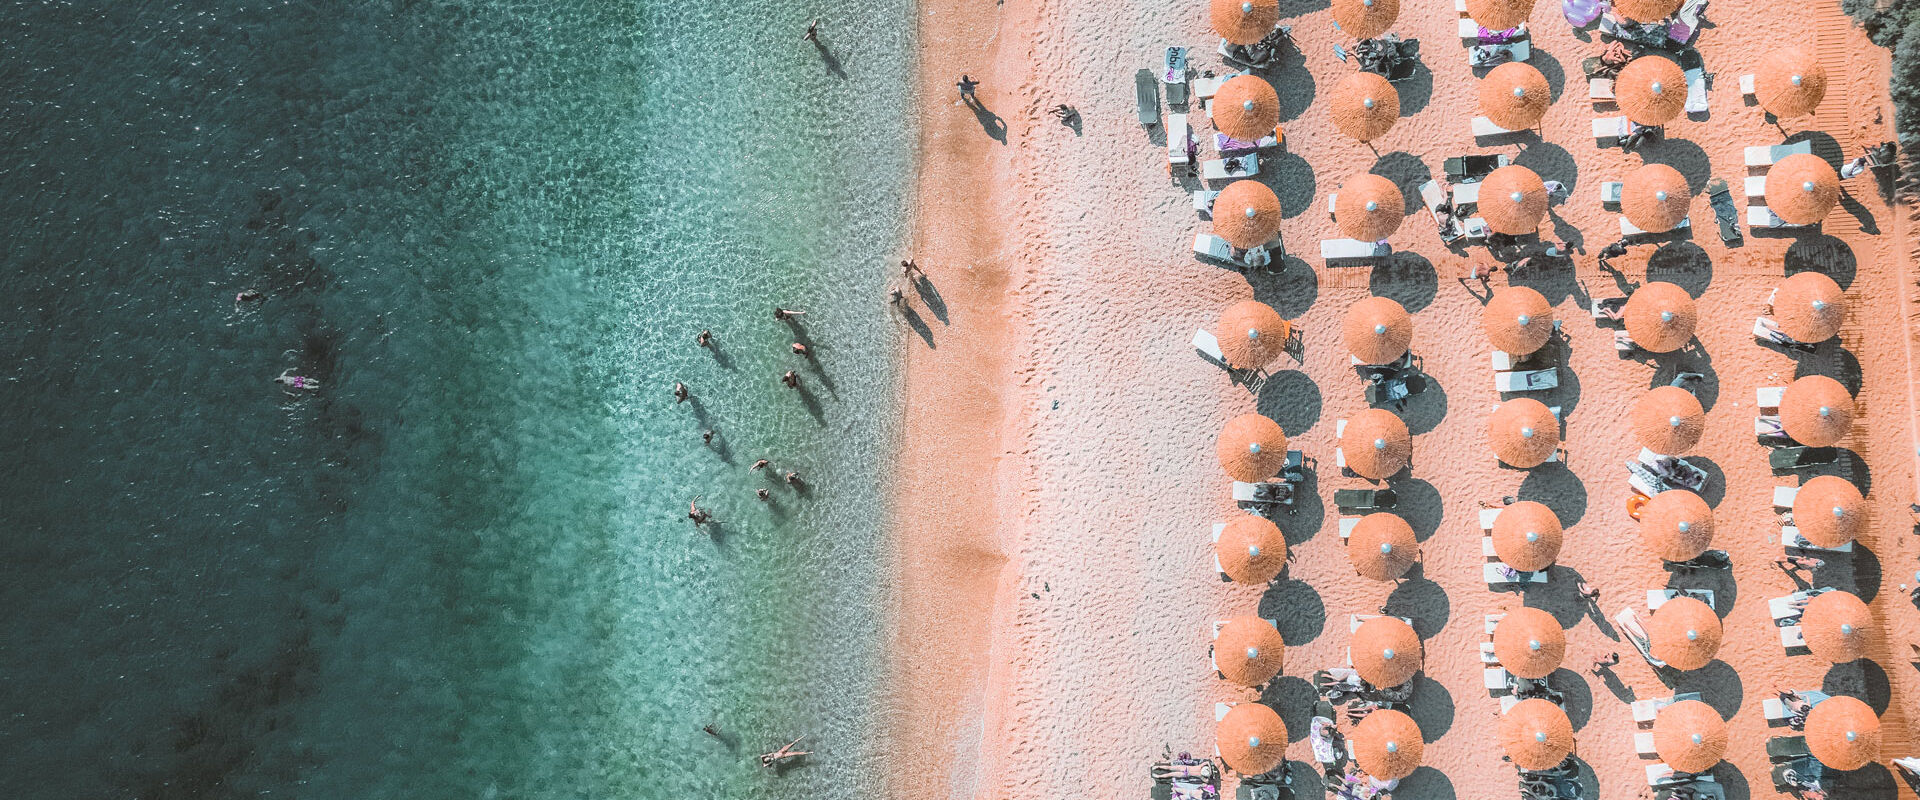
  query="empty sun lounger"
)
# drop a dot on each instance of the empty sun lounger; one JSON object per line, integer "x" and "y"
{"x": 1529, "y": 381}
{"x": 1220, "y": 169}
{"x": 1767, "y": 398}
{"x": 1792, "y": 637}
{"x": 1332, "y": 250}
{"x": 1495, "y": 679}
{"x": 1756, "y": 186}
{"x": 1763, "y": 217}
{"x": 1643, "y": 744}
{"x": 1746, "y": 86}
{"x": 1783, "y": 496}
{"x": 1466, "y": 193}
{"x": 1630, "y": 229}
{"x": 1608, "y": 130}
{"x": 1487, "y": 516}
{"x": 1600, "y": 90}
{"x": 1787, "y": 748}
{"x": 1146, "y": 95}
{"x": 1180, "y": 145}
{"x": 1766, "y": 155}
{"x": 1610, "y": 193}
{"x": 1484, "y": 128}
{"x": 1782, "y": 607}
{"x": 1696, "y": 91}
{"x": 1203, "y": 201}
{"x": 1209, "y": 347}
{"x": 1785, "y": 459}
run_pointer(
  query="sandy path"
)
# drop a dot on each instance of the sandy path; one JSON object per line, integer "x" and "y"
{"x": 1074, "y": 399}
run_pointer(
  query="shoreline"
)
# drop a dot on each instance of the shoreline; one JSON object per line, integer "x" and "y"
{"x": 948, "y": 538}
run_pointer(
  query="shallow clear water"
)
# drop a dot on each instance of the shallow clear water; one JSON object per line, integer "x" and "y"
{"x": 461, "y": 568}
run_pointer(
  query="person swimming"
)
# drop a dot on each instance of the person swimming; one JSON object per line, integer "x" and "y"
{"x": 782, "y": 314}
{"x": 699, "y": 515}
{"x": 247, "y": 296}
{"x": 793, "y": 478}
{"x": 759, "y": 465}
{"x": 791, "y": 379}
{"x": 705, "y": 339}
{"x": 763, "y": 494}
{"x": 801, "y": 350}
{"x": 296, "y": 381}
{"x": 680, "y": 393}
{"x": 773, "y": 759}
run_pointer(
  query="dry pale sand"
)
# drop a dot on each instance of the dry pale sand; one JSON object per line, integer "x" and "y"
{"x": 1058, "y": 472}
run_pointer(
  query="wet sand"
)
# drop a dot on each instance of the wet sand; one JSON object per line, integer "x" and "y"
{"x": 1058, "y": 476}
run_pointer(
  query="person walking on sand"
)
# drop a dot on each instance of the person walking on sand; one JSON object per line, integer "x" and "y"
{"x": 782, "y": 314}
{"x": 967, "y": 86}
{"x": 908, "y": 269}
{"x": 1603, "y": 664}
{"x": 1587, "y": 592}
{"x": 813, "y": 32}
{"x": 680, "y": 393}
{"x": 773, "y": 759}
{"x": 791, "y": 379}
{"x": 705, "y": 339}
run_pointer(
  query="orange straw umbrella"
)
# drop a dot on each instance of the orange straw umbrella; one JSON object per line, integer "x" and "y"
{"x": 1523, "y": 433}
{"x": 1668, "y": 420}
{"x": 1369, "y": 207}
{"x": 1843, "y": 733}
{"x": 1244, "y": 21}
{"x": 1376, "y": 444}
{"x": 1527, "y": 536}
{"x": 1251, "y": 549}
{"x": 1513, "y": 200}
{"x": 1676, "y": 525}
{"x": 1837, "y": 625}
{"x": 1364, "y": 105}
{"x": 1387, "y": 744}
{"x": 1246, "y": 108}
{"x": 1790, "y": 83}
{"x": 1252, "y": 739}
{"x": 1514, "y": 95}
{"x": 1651, "y": 89}
{"x": 1252, "y": 448}
{"x": 1377, "y": 330}
{"x": 1654, "y": 198}
{"x": 1690, "y": 736}
{"x": 1381, "y": 546}
{"x": 1251, "y": 334}
{"x": 1365, "y": 19}
{"x": 1802, "y": 188}
{"x": 1816, "y": 411}
{"x": 1660, "y": 317}
{"x": 1517, "y": 320}
{"x": 1685, "y": 633}
{"x": 1246, "y": 214}
{"x": 1529, "y": 642}
{"x": 1499, "y": 15}
{"x": 1646, "y": 10}
{"x": 1829, "y": 511}
{"x": 1808, "y": 306}
{"x": 1537, "y": 734}
{"x": 1248, "y": 651}
{"x": 1385, "y": 651}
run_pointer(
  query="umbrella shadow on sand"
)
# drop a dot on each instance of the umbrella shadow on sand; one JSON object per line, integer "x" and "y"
{"x": 1577, "y": 695}
{"x": 1863, "y": 679}
{"x": 1296, "y": 609}
{"x": 1425, "y": 783}
{"x": 1290, "y": 288}
{"x": 1293, "y": 697}
{"x": 1718, "y": 684}
{"x": 1823, "y": 253}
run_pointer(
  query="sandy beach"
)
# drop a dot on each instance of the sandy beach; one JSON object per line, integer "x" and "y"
{"x": 1058, "y": 479}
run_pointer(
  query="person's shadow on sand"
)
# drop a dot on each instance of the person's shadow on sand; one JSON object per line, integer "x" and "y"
{"x": 991, "y": 122}
{"x": 931, "y": 296}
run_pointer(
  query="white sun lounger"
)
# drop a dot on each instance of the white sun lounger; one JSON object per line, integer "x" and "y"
{"x": 1495, "y": 679}
{"x": 1217, "y": 528}
{"x": 1791, "y": 539}
{"x": 1768, "y": 397}
{"x": 1610, "y": 193}
{"x": 1347, "y": 525}
{"x": 1756, "y": 187}
{"x": 1351, "y": 249}
{"x": 1493, "y": 624}
{"x": 1696, "y": 91}
{"x": 1600, "y": 90}
{"x": 1485, "y": 128}
{"x": 1792, "y": 637}
{"x": 1746, "y": 86}
{"x": 1466, "y": 193}
{"x": 1628, "y": 624}
{"x": 1498, "y": 574}
{"x": 1203, "y": 201}
{"x": 1487, "y": 516}
{"x": 1468, "y": 29}
{"x": 1528, "y": 381}
{"x": 1645, "y": 711}
{"x": 1209, "y": 347}
{"x": 1219, "y": 169}
{"x": 1659, "y": 597}
{"x": 1766, "y": 155}
{"x": 1207, "y": 245}
{"x": 1179, "y": 139}
{"x": 1763, "y": 217}
{"x": 1608, "y": 130}
{"x": 1783, "y": 496}
{"x": 1205, "y": 88}
{"x": 1630, "y": 229}
{"x": 1487, "y": 657}
{"x": 1782, "y": 607}
{"x": 1767, "y": 426}
{"x": 1643, "y": 744}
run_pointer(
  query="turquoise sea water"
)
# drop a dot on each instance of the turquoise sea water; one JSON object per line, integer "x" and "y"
{"x": 491, "y": 230}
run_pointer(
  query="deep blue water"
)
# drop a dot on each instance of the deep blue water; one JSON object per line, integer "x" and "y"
{"x": 461, "y": 567}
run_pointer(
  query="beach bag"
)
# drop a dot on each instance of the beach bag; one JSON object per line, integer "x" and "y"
{"x": 1581, "y": 13}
